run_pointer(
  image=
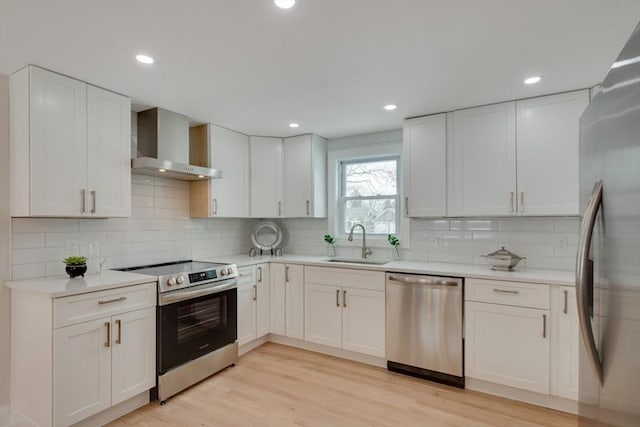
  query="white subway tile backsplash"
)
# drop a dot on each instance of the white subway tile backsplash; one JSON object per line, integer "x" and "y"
{"x": 34, "y": 225}
{"x": 525, "y": 224}
{"x": 28, "y": 271}
{"x": 566, "y": 225}
{"x": 28, "y": 240}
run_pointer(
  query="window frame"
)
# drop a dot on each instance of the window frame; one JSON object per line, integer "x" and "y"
{"x": 342, "y": 186}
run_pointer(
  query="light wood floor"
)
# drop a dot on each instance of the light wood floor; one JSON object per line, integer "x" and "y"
{"x": 277, "y": 385}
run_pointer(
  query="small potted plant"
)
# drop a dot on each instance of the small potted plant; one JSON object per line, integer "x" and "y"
{"x": 331, "y": 244}
{"x": 75, "y": 266}
{"x": 393, "y": 241}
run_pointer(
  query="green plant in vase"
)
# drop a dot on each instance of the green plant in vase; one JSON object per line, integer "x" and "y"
{"x": 393, "y": 241}
{"x": 331, "y": 245}
{"x": 75, "y": 266}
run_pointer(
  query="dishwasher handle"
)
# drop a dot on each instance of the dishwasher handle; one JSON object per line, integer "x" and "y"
{"x": 429, "y": 281}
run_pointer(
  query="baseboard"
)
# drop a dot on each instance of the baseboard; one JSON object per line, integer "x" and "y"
{"x": 547, "y": 401}
{"x": 4, "y": 416}
{"x": 115, "y": 412}
{"x": 252, "y": 345}
{"x": 331, "y": 351}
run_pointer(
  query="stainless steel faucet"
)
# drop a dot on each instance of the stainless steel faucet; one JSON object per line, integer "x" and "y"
{"x": 365, "y": 250}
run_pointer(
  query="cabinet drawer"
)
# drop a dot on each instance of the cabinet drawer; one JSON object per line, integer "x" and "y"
{"x": 519, "y": 294}
{"x": 93, "y": 305}
{"x": 362, "y": 279}
{"x": 247, "y": 275}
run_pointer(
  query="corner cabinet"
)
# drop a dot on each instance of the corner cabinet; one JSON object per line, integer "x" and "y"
{"x": 266, "y": 177}
{"x": 228, "y": 151}
{"x": 424, "y": 150}
{"x": 286, "y": 295}
{"x": 305, "y": 177}
{"x": 85, "y": 354}
{"x": 70, "y": 147}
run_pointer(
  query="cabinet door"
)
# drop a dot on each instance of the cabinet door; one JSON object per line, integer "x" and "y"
{"x": 547, "y": 135}
{"x": 266, "y": 177}
{"x": 363, "y": 321}
{"x": 262, "y": 294}
{"x": 482, "y": 161}
{"x": 298, "y": 175}
{"x": 507, "y": 345}
{"x": 133, "y": 355}
{"x": 58, "y": 128}
{"x": 294, "y": 301}
{"x": 246, "y": 313}
{"x": 566, "y": 343}
{"x": 425, "y": 159}
{"x": 109, "y": 153}
{"x": 276, "y": 298}
{"x": 230, "y": 153}
{"x": 322, "y": 314}
{"x": 82, "y": 371}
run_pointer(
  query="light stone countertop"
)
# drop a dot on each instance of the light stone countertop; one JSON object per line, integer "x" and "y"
{"x": 551, "y": 277}
{"x": 62, "y": 286}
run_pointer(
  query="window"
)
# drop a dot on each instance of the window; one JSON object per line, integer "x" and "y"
{"x": 368, "y": 195}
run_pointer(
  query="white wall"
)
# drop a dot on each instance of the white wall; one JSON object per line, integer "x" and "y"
{"x": 4, "y": 250}
{"x": 448, "y": 240}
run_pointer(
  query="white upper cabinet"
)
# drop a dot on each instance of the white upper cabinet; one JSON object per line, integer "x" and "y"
{"x": 266, "y": 177}
{"x": 305, "y": 177}
{"x": 424, "y": 145}
{"x": 70, "y": 147}
{"x": 547, "y": 147}
{"x": 482, "y": 161}
{"x": 220, "y": 148}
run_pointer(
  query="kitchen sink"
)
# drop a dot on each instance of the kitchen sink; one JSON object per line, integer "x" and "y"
{"x": 357, "y": 261}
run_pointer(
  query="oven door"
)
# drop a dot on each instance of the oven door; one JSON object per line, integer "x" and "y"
{"x": 195, "y": 321}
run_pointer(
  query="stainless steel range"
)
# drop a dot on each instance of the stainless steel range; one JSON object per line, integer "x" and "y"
{"x": 196, "y": 322}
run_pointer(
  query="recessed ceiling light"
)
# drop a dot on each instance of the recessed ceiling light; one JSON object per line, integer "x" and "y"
{"x": 390, "y": 107}
{"x": 284, "y": 4}
{"x": 200, "y": 176}
{"x": 145, "y": 59}
{"x": 293, "y": 125}
{"x": 531, "y": 80}
{"x": 162, "y": 170}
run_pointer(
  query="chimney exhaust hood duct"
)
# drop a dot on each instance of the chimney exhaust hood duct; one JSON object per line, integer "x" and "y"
{"x": 163, "y": 147}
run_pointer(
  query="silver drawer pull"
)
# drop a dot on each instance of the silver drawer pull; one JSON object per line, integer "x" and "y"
{"x": 112, "y": 300}
{"x": 505, "y": 291}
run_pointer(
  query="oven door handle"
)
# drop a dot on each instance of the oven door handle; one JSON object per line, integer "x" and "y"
{"x": 182, "y": 295}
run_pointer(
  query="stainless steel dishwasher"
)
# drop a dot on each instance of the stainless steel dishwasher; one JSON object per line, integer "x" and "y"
{"x": 424, "y": 327}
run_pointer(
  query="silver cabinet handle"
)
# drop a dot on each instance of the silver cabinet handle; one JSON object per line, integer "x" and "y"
{"x": 93, "y": 199}
{"x": 406, "y": 206}
{"x": 255, "y": 292}
{"x": 286, "y": 274}
{"x": 544, "y": 326}
{"x": 308, "y": 203}
{"x": 422, "y": 281}
{"x": 505, "y": 291}
{"x": 279, "y": 208}
{"x": 511, "y": 208}
{"x": 337, "y": 297}
{"x": 582, "y": 277}
{"x": 119, "y": 339}
{"x": 260, "y": 274}
{"x": 83, "y": 200}
{"x": 344, "y": 299}
{"x": 566, "y": 296}
{"x": 215, "y": 206}
{"x": 112, "y": 300}
{"x": 108, "y": 342}
{"x": 521, "y": 201}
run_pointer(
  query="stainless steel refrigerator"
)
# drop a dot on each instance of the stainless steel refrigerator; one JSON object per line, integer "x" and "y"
{"x": 608, "y": 265}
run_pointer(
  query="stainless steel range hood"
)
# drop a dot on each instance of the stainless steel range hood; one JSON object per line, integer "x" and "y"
{"x": 163, "y": 147}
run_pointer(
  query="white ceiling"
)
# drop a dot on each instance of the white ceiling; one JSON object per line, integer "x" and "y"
{"x": 328, "y": 64}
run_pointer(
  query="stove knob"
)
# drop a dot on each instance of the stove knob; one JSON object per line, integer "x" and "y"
{"x": 229, "y": 271}
{"x": 180, "y": 280}
{"x": 223, "y": 272}
{"x": 171, "y": 281}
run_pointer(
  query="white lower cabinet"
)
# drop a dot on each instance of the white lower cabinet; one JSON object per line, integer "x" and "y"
{"x": 76, "y": 369}
{"x": 347, "y": 317}
{"x": 286, "y": 311}
{"x": 253, "y": 303}
{"x": 565, "y": 342}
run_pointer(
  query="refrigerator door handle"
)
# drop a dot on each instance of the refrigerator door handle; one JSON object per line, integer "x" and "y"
{"x": 582, "y": 277}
